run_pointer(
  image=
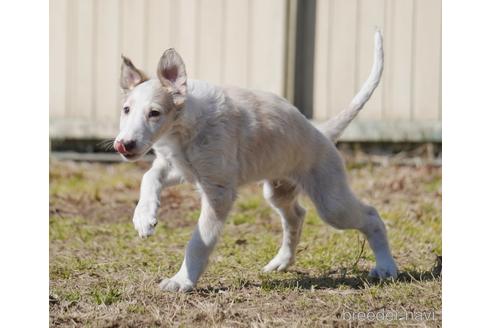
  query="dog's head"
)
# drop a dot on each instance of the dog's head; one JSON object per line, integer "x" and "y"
{"x": 150, "y": 106}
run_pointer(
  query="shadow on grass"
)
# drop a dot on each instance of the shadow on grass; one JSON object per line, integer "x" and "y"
{"x": 354, "y": 282}
{"x": 332, "y": 280}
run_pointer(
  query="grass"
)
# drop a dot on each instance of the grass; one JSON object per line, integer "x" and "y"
{"x": 102, "y": 274}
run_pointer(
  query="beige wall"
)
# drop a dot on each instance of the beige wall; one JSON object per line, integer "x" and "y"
{"x": 240, "y": 42}
{"x": 243, "y": 42}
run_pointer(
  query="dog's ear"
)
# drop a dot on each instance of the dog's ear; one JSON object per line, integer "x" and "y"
{"x": 172, "y": 74}
{"x": 130, "y": 76}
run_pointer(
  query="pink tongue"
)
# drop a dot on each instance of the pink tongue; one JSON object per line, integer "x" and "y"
{"x": 120, "y": 148}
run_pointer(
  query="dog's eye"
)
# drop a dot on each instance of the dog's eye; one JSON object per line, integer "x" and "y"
{"x": 154, "y": 113}
{"x": 126, "y": 109}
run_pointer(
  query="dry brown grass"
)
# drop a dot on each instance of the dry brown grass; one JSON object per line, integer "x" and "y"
{"x": 103, "y": 275}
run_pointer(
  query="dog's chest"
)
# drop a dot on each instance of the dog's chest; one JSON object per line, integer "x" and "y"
{"x": 183, "y": 167}
{"x": 175, "y": 156}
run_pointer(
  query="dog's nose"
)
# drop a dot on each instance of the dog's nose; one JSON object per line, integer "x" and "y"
{"x": 129, "y": 145}
{"x": 124, "y": 147}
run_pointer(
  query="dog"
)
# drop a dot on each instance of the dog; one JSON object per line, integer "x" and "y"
{"x": 219, "y": 138}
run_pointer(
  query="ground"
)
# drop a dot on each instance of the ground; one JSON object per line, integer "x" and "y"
{"x": 102, "y": 274}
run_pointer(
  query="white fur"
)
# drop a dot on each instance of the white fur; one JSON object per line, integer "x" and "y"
{"x": 220, "y": 138}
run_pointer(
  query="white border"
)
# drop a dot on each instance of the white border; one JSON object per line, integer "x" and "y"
{"x": 467, "y": 162}
{"x": 24, "y": 166}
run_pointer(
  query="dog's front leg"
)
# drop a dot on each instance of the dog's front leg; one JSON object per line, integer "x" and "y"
{"x": 216, "y": 203}
{"x": 160, "y": 175}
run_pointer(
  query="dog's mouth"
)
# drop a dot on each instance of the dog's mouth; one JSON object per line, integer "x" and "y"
{"x": 130, "y": 155}
{"x": 133, "y": 156}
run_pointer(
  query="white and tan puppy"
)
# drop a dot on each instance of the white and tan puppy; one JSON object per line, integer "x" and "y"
{"x": 219, "y": 138}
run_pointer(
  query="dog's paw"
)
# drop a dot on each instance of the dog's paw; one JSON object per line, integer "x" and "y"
{"x": 144, "y": 220}
{"x": 384, "y": 271}
{"x": 176, "y": 284}
{"x": 279, "y": 263}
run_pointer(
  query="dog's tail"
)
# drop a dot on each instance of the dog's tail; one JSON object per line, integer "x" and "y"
{"x": 334, "y": 127}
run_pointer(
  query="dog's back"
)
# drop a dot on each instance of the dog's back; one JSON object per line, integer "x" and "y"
{"x": 260, "y": 133}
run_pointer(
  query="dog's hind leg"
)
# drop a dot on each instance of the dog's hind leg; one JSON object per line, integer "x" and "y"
{"x": 282, "y": 196}
{"x": 327, "y": 187}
